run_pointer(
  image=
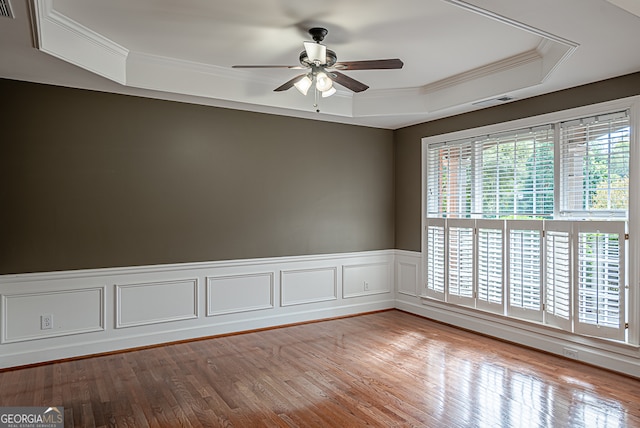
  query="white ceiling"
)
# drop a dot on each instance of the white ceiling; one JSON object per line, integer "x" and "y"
{"x": 458, "y": 56}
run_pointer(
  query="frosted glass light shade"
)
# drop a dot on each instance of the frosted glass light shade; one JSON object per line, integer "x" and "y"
{"x": 323, "y": 82}
{"x": 328, "y": 92}
{"x": 303, "y": 85}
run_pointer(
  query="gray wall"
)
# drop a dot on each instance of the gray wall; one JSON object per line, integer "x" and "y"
{"x": 92, "y": 180}
{"x": 408, "y": 141}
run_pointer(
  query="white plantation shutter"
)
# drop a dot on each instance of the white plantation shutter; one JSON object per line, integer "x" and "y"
{"x": 524, "y": 269}
{"x": 460, "y": 257}
{"x": 490, "y": 257}
{"x": 435, "y": 258}
{"x": 594, "y": 166}
{"x": 558, "y": 276}
{"x": 449, "y": 180}
{"x": 600, "y": 279}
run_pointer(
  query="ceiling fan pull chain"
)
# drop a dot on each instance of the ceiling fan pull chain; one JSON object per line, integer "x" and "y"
{"x": 315, "y": 104}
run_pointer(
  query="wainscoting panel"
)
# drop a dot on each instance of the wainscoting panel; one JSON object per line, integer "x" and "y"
{"x": 137, "y": 306}
{"x": 164, "y": 303}
{"x": 408, "y": 270}
{"x": 69, "y": 311}
{"x": 365, "y": 279}
{"x": 239, "y": 293}
{"x": 156, "y": 302}
{"x": 407, "y": 277}
{"x": 308, "y": 285}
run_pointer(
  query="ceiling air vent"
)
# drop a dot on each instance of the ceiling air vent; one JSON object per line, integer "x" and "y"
{"x": 493, "y": 101}
{"x": 5, "y": 9}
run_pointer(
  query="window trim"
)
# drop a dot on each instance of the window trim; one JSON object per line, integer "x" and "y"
{"x": 631, "y": 103}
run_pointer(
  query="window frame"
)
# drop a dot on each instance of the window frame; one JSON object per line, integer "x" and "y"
{"x": 633, "y": 221}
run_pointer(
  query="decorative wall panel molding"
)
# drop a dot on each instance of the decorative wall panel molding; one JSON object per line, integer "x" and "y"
{"x": 366, "y": 279}
{"x": 408, "y": 275}
{"x": 308, "y": 285}
{"x": 139, "y": 304}
{"x": 70, "y": 312}
{"x": 239, "y": 293}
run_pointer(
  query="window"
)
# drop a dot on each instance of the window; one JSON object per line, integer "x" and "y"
{"x": 493, "y": 176}
{"x": 532, "y": 223}
{"x": 594, "y": 166}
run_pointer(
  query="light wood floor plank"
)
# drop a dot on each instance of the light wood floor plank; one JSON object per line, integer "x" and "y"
{"x": 388, "y": 369}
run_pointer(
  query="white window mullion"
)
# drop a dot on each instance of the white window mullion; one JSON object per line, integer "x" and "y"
{"x": 633, "y": 245}
{"x": 477, "y": 190}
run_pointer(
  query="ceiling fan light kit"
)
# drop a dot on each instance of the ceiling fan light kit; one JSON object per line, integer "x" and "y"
{"x": 323, "y": 82}
{"x": 322, "y": 64}
{"x": 303, "y": 84}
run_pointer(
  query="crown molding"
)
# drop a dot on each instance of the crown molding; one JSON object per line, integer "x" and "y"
{"x": 72, "y": 42}
{"x": 512, "y": 22}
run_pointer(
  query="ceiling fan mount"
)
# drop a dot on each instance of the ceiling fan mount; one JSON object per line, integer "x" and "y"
{"x": 318, "y": 33}
{"x": 322, "y": 65}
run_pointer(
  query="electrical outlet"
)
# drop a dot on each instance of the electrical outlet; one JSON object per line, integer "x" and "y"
{"x": 366, "y": 286}
{"x": 46, "y": 322}
{"x": 570, "y": 353}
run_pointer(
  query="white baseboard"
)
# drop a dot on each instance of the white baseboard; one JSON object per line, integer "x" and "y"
{"x": 103, "y": 310}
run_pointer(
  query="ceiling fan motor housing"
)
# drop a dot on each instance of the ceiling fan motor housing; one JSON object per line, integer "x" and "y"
{"x": 330, "y": 61}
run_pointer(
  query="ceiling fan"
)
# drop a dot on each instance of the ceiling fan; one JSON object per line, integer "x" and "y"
{"x": 323, "y": 66}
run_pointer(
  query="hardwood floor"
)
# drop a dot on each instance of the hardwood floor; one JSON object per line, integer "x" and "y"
{"x": 388, "y": 369}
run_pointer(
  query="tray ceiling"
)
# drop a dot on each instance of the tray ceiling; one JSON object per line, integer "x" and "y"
{"x": 458, "y": 56}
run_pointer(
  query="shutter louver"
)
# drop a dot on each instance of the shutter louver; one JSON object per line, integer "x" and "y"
{"x": 436, "y": 259}
{"x": 525, "y": 269}
{"x": 600, "y": 279}
{"x": 489, "y": 261}
{"x": 558, "y": 307}
{"x": 460, "y": 256}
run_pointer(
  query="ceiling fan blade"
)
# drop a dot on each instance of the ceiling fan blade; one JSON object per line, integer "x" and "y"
{"x": 348, "y": 82}
{"x": 316, "y": 52}
{"x": 373, "y": 64}
{"x": 289, "y": 84}
{"x": 292, "y": 67}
